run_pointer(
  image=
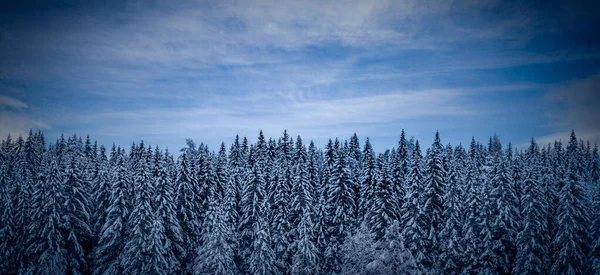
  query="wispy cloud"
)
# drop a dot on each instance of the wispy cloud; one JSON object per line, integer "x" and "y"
{"x": 579, "y": 108}
{"x": 6, "y": 101}
{"x": 16, "y": 124}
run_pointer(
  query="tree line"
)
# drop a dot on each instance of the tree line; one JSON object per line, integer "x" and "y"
{"x": 279, "y": 206}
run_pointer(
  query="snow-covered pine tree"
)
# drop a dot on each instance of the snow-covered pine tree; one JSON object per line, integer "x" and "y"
{"x": 451, "y": 238}
{"x": 381, "y": 215}
{"x": 77, "y": 230}
{"x": 414, "y": 230}
{"x": 216, "y": 255}
{"x": 47, "y": 250}
{"x": 394, "y": 257}
{"x": 339, "y": 209}
{"x": 8, "y": 237}
{"x": 595, "y": 182}
{"x": 262, "y": 259}
{"x": 433, "y": 201}
{"x": 113, "y": 233}
{"x": 253, "y": 196}
{"x": 303, "y": 193}
{"x": 164, "y": 207}
{"x": 188, "y": 210}
{"x": 570, "y": 241}
{"x": 369, "y": 177}
{"x": 471, "y": 229}
{"x": 488, "y": 259}
{"x": 505, "y": 214}
{"x": 354, "y": 165}
{"x": 532, "y": 251}
{"x": 207, "y": 185}
{"x": 101, "y": 194}
{"x": 305, "y": 257}
{"x": 358, "y": 251}
{"x": 400, "y": 170}
{"x": 281, "y": 192}
{"x": 144, "y": 249}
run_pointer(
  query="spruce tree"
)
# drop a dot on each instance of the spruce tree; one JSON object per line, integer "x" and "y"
{"x": 216, "y": 255}
{"x": 113, "y": 233}
{"x": 414, "y": 229}
{"x": 49, "y": 255}
{"x": 433, "y": 201}
{"x": 164, "y": 207}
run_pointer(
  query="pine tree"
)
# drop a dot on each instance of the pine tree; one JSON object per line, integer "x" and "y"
{"x": 504, "y": 213}
{"x": 8, "y": 237}
{"x": 570, "y": 242}
{"x": 358, "y": 251}
{"x": 113, "y": 233}
{"x": 451, "y": 231}
{"x": 369, "y": 178}
{"x": 164, "y": 205}
{"x": 339, "y": 209}
{"x": 305, "y": 257}
{"x": 262, "y": 258}
{"x": 472, "y": 226}
{"x": 394, "y": 258}
{"x": 144, "y": 250}
{"x": 253, "y": 196}
{"x": 101, "y": 194}
{"x": 532, "y": 252}
{"x": 280, "y": 209}
{"x": 188, "y": 210}
{"x": 400, "y": 170}
{"x": 216, "y": 255}
{"x": 414, "y": 229}
{"x": 595, "y": 182}
{"x": 382, "y": 209}
{"x": 433, "y": 201}
{"x": 48, "y": 248}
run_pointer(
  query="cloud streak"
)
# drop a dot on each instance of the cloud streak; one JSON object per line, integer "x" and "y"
{"x": 6, "y": 101}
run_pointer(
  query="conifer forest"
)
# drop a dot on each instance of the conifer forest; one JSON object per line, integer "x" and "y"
{"x": 287, "y": 206}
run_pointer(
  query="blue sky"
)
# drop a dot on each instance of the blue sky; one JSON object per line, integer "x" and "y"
{"x": 164, "y": 71}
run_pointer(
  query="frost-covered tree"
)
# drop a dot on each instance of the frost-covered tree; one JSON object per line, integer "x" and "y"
{"x": 188, "y": 210}
{"x": 381, "y": 215}
{"x": 48, "y": 248}
{"x": 505, "y": 214}
{"x": 414, "y": 229}
{"x": 358, "y": 251}
{"x": 471, "y": 229}
{"x": 253, "y": 196}
{"x": 433, "y": 201}
{"x": 400, "y": 170}
{"x": 451, "y": 237}
{"x": 532, "y": 241}
{"x": 369, "y": 178}
{"x": 262, "y": 259}
{"x": 8, "y": 237}
{"x": 113, "y": 233}
{"x": 305, "y": 257}
{"x": 570, "y": 241}
{"x": 216, "y": 255}
{"x": 101, "y": 193}
{"x": 77, "y": 219}
{"x": 393, "y": 258}
{"x": 144, "y": 251}
{"x": 339, "y": 208}
{"x": 164, "y": 207}
{"x": 281, "y": 194}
